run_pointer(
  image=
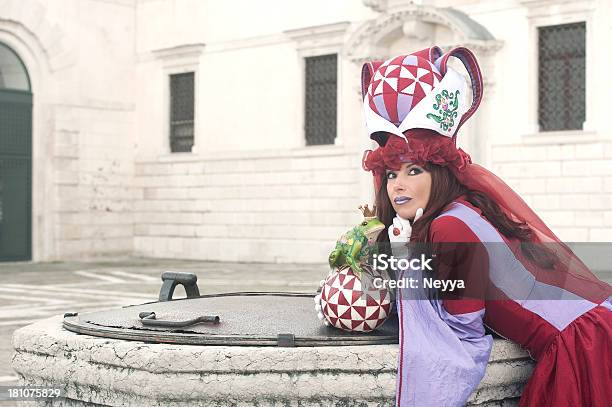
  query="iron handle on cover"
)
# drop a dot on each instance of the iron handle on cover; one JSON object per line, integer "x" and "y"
{"x": 148, "y": 319}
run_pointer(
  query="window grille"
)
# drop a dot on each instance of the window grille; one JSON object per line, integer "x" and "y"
{"x": 15, "y": 175}
{"x": 181, "y": 112}
{"x": 561, "y": 76}
{"x": 321, "y": 96}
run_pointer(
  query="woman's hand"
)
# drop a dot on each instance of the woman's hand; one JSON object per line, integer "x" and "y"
{"x": 401, "y": 229}
{"x": 400, "y": 232}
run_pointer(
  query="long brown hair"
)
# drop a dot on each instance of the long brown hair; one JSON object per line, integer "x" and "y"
{"x": 444, "y": 189}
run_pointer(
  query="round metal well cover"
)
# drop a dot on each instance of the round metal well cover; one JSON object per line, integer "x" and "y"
{"x": 246, "y": 318}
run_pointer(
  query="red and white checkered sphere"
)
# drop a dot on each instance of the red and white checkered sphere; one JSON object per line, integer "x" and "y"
{"x": 346, "y": 306}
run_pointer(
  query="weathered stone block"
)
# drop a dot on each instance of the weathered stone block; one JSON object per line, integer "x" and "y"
{"x": 129, "y": 373}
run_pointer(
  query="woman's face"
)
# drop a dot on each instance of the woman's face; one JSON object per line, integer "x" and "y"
{"x": 408, "y": 189}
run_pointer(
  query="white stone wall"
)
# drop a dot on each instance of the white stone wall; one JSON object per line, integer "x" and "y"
{"x": 93, "y": 131}
{"x": 269, "y": 206}
{"x": 105, "y": 182}
{"x": 568, "y": 185}
{"x": 94, "y": 182}
{"x": 250, "y": 190}
{"x": 232, "y": 231}
{"x": 82, "y": 70}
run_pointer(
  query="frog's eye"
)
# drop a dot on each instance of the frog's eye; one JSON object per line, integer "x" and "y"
{"x": 364, "y": 223}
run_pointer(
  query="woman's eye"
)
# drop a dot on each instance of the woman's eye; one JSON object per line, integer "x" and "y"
{"x": 414, "y": 171}
{"x": 391, "y": 175}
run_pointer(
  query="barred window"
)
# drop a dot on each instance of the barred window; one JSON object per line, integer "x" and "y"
{"x": 561, "y": 102}
{"x": 181, "y": 112}
{"x": 321, "y": 91}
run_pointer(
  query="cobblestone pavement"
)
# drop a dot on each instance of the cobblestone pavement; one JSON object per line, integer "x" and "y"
{"x": 33, "y": 291}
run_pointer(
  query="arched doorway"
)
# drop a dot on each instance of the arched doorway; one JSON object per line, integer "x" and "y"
{"x": 15, "y": 158}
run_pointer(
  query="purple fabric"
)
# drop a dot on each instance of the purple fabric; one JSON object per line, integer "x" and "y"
{"x": 379, "y": 101}
{"x": 607, "y": 303}
{"x": 404, "y": 102}
{"x": 556, "y": 305}
{"x": 443, "y": 356}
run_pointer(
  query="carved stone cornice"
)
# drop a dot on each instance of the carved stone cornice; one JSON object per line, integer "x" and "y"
{"x": 368, "y": 41}
{"x": 180, "y": 51}
{"x": 536, "y": 8}
{"x": 328, "y": 35}
{"x": 182, "y": 55}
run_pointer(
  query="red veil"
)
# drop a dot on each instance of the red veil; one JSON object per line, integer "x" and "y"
{"x": 570, "y": 272}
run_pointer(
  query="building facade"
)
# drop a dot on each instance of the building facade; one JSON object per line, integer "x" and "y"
{"x": 232, "y": 130}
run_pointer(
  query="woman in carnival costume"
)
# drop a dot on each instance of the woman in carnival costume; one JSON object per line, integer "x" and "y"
{"x": 520, "y": 280}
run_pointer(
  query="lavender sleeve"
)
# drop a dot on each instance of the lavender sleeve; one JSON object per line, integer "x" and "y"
{"x": 442, "y": 356}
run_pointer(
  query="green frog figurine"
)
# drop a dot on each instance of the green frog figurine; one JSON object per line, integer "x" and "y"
{"x": 356, "y": 245}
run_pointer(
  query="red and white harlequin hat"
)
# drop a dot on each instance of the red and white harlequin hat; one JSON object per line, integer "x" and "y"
{"x": 419, "y": 90}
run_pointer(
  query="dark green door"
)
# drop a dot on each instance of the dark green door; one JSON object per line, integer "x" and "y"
{"x": 15, "y": 159}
